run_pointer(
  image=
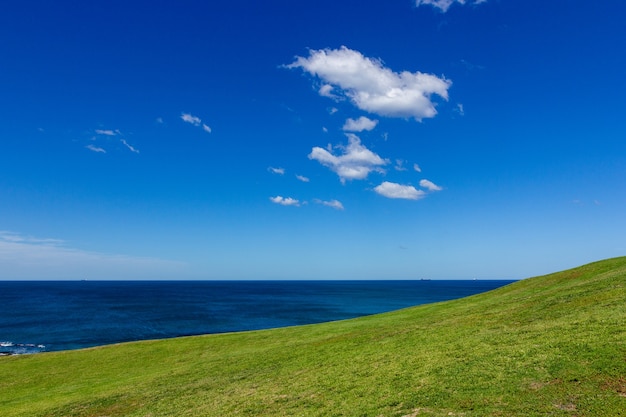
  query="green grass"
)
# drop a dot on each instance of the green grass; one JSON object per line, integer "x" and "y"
{"x": 548, "y": 346}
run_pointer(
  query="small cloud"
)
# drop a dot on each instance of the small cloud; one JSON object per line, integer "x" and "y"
{"x": 159, "y": 120}
{"x": 444, "y": 5}
{"x": 279, "y": 171}
{"x": 188, "y": 118}
{"x": 459, "y": 109}
{"x": 430, "y": 186}
{"x": 355, "y": 163}
{"x": 95, "y": 148}
{"x": 417, "y": 168}
{"x": 333, "y": 110}
{"x": 107, "y": 132}
{"x": 327, "y": 91}
{"x": 288, "y": 201}
{"x": 196, "y": 121}
{"x": 400, "y": 165}
{"x": 130, "y": 147}
{"x": 302, "y": 178}
{"x": 324, "y": 129}
{"x": 336, "y": 204}
{"x": 360, "y": 124}
{"x": 393, "y": 190}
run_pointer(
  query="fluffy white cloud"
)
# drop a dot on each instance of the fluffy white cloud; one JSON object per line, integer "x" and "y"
{"x": 371, "y": 86}
{"x": 360, "y": 124}
{"x": 285, "y": 201}
{"x": 95, "y": 148}
{"x": 279, "y": 171}
{"x": 443, "y": 5}
{"x": 393, "y": 190}
{"x": 302, "y": 178}
{"x": 430, "y": 186}
{"x": 336, "y": 204}
{"x": 130, "y": 147}
{"x": 355, "y": 163}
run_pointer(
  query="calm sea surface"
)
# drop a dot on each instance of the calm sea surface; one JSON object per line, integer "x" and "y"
{"x": 61, "y": 315}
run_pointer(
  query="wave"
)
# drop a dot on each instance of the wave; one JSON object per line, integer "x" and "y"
{"x": 11, "y": 348}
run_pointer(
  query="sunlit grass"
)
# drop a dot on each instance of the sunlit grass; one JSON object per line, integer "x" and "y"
{"x": 552, "y": 345}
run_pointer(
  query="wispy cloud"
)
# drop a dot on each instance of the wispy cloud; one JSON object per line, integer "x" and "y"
{"x": 399, "y": 165}
{"x": 336, "y": 204}
{"x": 279, "y": 171}
{"x": 130, "y": 147}
{"x": 430, "y": 186}
{"x": 394, "y": 190}
{"x": 189, "y": 118}
{"x": 360, "y": 124}
{"x": 444, "y": 5}
{"x": 107, "y": 132}
{"x": 372, "y": 87}
{"x": 302, "y": 178}
{"x": 196, "y": 121}
{"x": 25, "y": 257}
{"x": 355, "y": 163}
{"x": 95, "y": 148}
{"x": 285, "y": 201}
{"x": 417, "y": 168}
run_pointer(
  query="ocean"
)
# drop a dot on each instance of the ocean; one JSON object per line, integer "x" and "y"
{"x": 61, "y": 315}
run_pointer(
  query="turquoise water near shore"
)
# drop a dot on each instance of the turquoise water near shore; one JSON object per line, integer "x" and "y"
{"x": 61, "y": 315}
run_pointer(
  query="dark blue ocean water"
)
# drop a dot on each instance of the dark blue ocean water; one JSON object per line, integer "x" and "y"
{"x": 61, "y": 315}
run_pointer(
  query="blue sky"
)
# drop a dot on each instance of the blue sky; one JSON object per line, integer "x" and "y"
{"x": 310, "y": 140}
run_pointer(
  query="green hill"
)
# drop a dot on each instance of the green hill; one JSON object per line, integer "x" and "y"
{"x": 552, "y": 345}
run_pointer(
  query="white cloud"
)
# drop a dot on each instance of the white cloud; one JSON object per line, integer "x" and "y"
{"x": 23, "y": 257}
{"x": 130, "y": 147}
{"x": 327, "y": 91}
{"x": 393, "y": 190}
{"x": 302, "y": 178}
{"x": 460, "y": 110}
{"x": 430, "y": 186}
{"x": 371, "y": 86}
{"x": 188, "y": 118}
{"x": 196, "y": 121}
{"x": 360, "y": 124}
{"x": 336, "y": 204}
{"x": 159, "y": 120}
{"x": 285, "y": 201}
{"x": 107, "y": 132}
{"x": 400, "y": 165}
{"x": 356, "y": 162}
{"x": 95, "y": 148}
{"x": 279, "y": 171}
{"x": 417, "y": 168}
{"x": 443, "y": 5}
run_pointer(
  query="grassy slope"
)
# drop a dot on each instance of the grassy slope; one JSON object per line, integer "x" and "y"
{"x": 552, "y": 345}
